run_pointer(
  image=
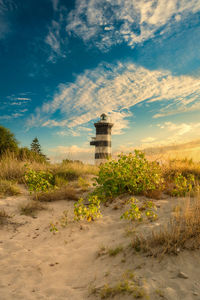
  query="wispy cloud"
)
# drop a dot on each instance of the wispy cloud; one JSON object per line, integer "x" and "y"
{"x": 114, "y": 89}
{"x": 55, "y": 4}
{"x": 11, "y": 116}
{"x": 54, "y": 39}
{"x": 109, "y": 22}
{"x": 6, "y": 6}
{"x": 180, "y": 129}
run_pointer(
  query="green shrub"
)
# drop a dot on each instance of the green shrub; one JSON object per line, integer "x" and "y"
{"x": 130, "y": 173}
{"x": 38, "y": 181}
{"x": 90, "y": 212}
{"x": 183, "y": 184}
{"x": 137, "y": 212}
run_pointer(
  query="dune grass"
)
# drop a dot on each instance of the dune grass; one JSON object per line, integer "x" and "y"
{"x": 127, "y": 285}
{"x": 11, "y": 168}
{"x": 4, "y": 216}
{"x": 182, "y": 232}
{"x": 8, "y": 188}
{"x": 30, "y": 208}
{"x": 62, "y": 193}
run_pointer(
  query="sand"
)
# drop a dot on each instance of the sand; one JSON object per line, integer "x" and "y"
{"x": 37, "y": 264}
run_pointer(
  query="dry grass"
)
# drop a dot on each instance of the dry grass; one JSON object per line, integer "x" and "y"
{"x": 182, "y": 232}
{"x": 3, "y": 216}
{"x": 13, "y": 169}
{"x": 73, "y": 170}
{"x": 8, "y": 188}
{"x": 30, "y": 208}
{"x": 184, "y": 166}
{"x": 63, "y": 193}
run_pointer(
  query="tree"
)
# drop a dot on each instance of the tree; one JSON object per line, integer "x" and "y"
{"x": 7, "y": 141}
{"x": 35, "y": 146}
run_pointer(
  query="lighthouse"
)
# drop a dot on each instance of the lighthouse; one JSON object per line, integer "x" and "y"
{"x": 102, "y": 141}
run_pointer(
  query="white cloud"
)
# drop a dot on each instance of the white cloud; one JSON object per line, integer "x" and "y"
{"x": 109, "y": 22}
{"x": 115, "y": 89}
{"x": 23, "y": 99}
{"x": 180, "y": 129}
{"x": 54, "y": 41}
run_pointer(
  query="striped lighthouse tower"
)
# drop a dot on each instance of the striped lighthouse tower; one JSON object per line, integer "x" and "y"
{"x": 102, "y": 141}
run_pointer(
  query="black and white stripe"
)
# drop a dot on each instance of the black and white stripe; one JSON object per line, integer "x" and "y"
{"x": 102, "y": 142}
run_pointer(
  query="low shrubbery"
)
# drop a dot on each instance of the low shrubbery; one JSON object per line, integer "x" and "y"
{"x": 132, "y": 174}
{"x": 137, "y": 210}
{"x": 38, "y": 181}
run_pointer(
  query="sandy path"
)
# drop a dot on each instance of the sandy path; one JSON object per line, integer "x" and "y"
{"x": 36, "y": 264}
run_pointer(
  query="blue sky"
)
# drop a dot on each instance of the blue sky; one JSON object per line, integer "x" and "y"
{"x": 63, "y": 63}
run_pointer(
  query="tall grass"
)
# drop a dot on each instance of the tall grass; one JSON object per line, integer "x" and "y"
{"x": 12, "y": 168}
{"x": 182, "y": 232}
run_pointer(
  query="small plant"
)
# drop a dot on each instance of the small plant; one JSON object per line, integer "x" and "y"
{"x": 64, "y": 219}
{"x": 53, "y": 227}
{"x": 122, "y": 287}
{"x": 160, "y": 293}
{"x": 38, "y": 181}
{"x": 115, "y": 251}
{"x": 90, "y": 212}
{"x": 110, "y": 251}
{"x": 136, "y": 212}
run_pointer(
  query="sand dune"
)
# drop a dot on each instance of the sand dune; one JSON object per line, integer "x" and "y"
{"x": 36, "y": 264}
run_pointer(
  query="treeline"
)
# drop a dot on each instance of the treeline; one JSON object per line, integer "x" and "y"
{"x": 9, "y": 144}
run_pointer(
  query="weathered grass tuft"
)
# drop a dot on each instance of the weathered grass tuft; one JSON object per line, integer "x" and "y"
{"x": 63, "y": 193}
{"x": 182, "y": 232}
{"x": 127, "y": 285}
{"x": 8, "y": 188}
{"x": 30, "y": 208}
{"x": 3, "y": 216}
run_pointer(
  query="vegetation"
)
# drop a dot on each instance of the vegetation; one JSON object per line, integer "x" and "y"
{"x": 110, "y": 251}
{"x": 127, "y": 285}
{"x": 38, "y": 181}
{"x": 8, "y": 188}
{"x": 132, "y": 174}
{"x": 62, "y": 193}
{"x": 90, "y": 212}
{"x": 3, "y": 216}
{"x": 7, "y": 141}
{"x": 36, "y": 148}
{"x": 183, "y": 232}
{"x": 30, "y": 208}
{"x": 137, "y": 211}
